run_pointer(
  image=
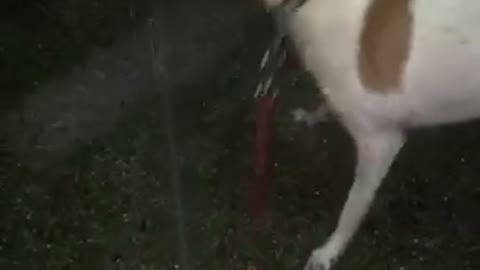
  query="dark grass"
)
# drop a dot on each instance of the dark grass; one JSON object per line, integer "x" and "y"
{"x": 108, "y": 204}
{"x": 41, "y": 38}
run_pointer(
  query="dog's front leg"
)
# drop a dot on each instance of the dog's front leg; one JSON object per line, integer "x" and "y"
{"x": 375, "y": 153}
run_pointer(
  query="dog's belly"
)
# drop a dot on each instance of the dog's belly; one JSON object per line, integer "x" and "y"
{"x": 441, "y": 81}
{"x": 442, "y": 78}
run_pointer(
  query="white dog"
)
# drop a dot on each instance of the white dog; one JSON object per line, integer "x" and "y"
{"x": 386, "y": 66}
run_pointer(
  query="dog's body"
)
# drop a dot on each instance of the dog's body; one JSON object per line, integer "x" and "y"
{"x": 387, "y": 66}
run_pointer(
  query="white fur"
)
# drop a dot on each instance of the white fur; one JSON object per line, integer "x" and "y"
{"x": 441, "y": 84}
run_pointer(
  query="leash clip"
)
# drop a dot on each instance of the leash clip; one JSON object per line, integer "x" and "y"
{"x": 275, "y": 55}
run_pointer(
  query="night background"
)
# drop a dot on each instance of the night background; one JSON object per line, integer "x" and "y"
{"x": 86, "y": 177}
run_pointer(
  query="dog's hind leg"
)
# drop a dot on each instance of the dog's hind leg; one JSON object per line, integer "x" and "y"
{"x": 376, "y": 151}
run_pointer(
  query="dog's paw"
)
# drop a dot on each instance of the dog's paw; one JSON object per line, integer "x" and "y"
{"x": 299, "y": 115}
{"x": 302, "y": 116}
{"x": 320, "y": 115}
{"x": 322, "y": 259}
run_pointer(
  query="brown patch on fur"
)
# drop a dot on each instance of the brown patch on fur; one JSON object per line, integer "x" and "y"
{"x": 385, "y": 44}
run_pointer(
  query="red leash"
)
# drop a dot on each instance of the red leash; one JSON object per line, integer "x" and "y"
{"x": 265, "y": 101}
{"x": 265, "y": 106}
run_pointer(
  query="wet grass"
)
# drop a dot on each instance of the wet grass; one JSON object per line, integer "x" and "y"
{"x": 42, "y": 38}
{"x": 109, "y": 204}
